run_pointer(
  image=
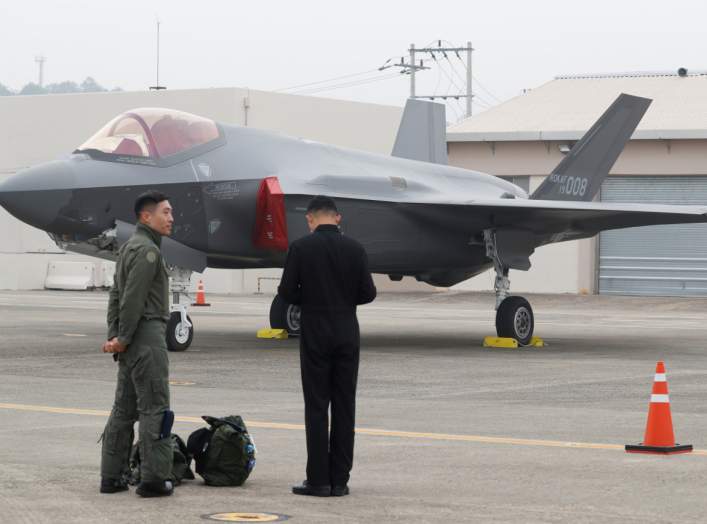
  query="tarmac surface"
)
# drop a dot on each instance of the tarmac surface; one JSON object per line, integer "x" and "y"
{"x": 448, "y": 431}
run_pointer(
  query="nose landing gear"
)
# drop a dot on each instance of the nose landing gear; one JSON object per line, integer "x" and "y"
{"x": 180, "y": 330}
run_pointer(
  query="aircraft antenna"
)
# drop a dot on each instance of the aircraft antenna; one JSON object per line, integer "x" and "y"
{"x": 157, "y": 85}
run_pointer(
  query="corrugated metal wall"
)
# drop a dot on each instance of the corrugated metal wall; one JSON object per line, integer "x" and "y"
{"x": 668, "y": 260}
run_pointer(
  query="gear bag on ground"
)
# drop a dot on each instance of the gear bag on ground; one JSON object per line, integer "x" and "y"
{"x": 224, "y": 453}
{"x": 181, "y": 465}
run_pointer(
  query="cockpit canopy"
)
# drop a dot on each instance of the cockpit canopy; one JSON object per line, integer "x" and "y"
{"x": 152, "y": 133}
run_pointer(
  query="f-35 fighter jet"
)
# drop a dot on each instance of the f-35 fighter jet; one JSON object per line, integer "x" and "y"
{"x": 240, "y": 193}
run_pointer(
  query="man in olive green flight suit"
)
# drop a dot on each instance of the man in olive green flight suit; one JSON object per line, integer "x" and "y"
{"x": 138, "y": 311}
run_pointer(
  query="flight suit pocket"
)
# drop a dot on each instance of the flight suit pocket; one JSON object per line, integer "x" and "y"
{"x": 111, "y": 443}
{"x": 119, "y": 391}
{"x": 160, "y": 392}
{"x": 144, "y": 396}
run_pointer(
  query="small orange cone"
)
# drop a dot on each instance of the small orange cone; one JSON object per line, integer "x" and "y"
{"x": 659, "y": 438}
{"x": 200, "y": 296}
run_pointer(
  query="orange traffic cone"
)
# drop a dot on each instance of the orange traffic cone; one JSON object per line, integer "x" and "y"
{"x": 200, "y": 296}
{"x": 659, "y": 438}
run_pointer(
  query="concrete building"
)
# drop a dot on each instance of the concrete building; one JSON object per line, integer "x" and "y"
{"x": 665, "y": 162}
{"x": 35, "y": 129}
{"x": 522, "y": 139}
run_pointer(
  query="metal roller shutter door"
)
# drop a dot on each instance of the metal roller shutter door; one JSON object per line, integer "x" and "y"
{"x": 668, "y": 260}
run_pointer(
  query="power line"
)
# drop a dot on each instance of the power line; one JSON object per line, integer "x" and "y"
{"x": 453, "y": 102}
{"x": 347, "y": 84}
{"x": 456, "y": 113}
{"x": 344, "y": 84}
{"x": 489, "y": 93}
{"x": 451, "y": 66}
{"x": 327, "y": 80}
{"x": 451, "y": 80}
{"x": 482, "y": 99}
{"x": 461, "y": 109}
{"x": 479, "y": 83}
{"x": 498, "y": 100}
{"x": 439, "y": 76}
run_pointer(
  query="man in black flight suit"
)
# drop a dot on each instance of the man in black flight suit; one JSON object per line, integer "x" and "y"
{"x": 326, "y": 273}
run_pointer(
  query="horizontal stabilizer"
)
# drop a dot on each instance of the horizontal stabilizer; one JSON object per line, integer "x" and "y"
{"x": 422, "y": 134}
{"x": 580, "y": 174}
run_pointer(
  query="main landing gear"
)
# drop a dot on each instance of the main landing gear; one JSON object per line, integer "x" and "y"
{"x": 180, "y": 330}
{"x": 285, "y": 316}
{"x": 514, "y": 316}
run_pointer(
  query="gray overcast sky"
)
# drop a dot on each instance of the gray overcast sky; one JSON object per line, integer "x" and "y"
{"x": 276, "y": 44}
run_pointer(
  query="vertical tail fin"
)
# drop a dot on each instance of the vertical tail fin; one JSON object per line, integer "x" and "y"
{"x": 422, "y": 134}
{"x": 580, "y": 174}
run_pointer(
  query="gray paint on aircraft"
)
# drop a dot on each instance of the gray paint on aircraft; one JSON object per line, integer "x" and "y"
{"x": 414, "y": 218}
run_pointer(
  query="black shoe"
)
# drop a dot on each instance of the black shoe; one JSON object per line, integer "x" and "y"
{"x": 113, "y": 485}
{"x": 157, "y": 488}
{"x": 315, "y": 491}
{"x": 339, "y": 491}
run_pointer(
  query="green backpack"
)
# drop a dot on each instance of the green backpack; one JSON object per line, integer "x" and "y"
{"x": 181, "y": 464}
{"x": 224, "y": 452}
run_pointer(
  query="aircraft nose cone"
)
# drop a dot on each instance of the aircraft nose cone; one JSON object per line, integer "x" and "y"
{"x": 37, "y": 195}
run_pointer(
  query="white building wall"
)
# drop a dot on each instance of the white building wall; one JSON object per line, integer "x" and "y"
{"x": 35, "y": 129}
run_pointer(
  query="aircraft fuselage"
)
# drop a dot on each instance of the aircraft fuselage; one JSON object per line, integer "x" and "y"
{"x": 213, "y": 191}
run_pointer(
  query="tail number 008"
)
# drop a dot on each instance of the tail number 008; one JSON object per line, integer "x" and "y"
{"x": 575, "y": 186}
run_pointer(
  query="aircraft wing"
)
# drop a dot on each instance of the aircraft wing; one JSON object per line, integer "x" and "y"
{"x": 566, "y": 220}
{"x": 521, "y": 225}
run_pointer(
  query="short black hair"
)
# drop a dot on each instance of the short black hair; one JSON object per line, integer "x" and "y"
{"x": 322, "y": 203}
{"x": 148, "y": 198}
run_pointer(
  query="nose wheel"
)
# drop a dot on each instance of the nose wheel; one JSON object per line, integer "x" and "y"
{"x": 179, "y": 333}
{"x": 285, "y": 316}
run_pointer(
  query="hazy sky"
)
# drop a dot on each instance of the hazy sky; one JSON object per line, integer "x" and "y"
{"x": 274, "y": 44}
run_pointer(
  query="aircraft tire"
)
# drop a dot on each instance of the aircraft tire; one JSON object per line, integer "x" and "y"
{"x": 285, "y": 316}
{"x": 175, "y": 342}
{"x": 515, "y": 319}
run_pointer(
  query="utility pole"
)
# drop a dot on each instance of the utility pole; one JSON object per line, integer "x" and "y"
{"x": 40, "y": 60}
{"x": 157, "y": 86}
{"x": 412, "y": 68}
{"x": 407, "y": 69}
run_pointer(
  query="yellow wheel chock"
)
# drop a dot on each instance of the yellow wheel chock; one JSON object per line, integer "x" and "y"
{"x": 279, "y": 334}
{"x": 506, "y": 342}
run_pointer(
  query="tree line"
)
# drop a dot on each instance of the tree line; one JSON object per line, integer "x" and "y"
{"x": 89, "y": 85}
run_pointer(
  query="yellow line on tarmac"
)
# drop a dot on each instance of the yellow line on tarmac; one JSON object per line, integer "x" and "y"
{"x": 450, "y": 437}
{"x": 103, "y": 413}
